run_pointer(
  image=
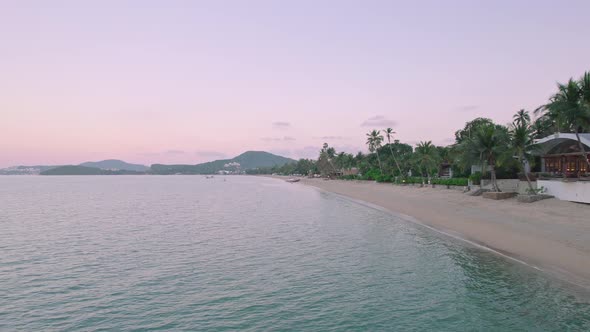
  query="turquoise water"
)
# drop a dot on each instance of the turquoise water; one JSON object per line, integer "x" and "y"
{"x": 248, "y": 254}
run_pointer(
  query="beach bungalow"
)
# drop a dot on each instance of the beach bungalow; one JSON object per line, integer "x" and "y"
{"x": 564, "y": 172}
{"x": 445, "y": 170}
{"x": 350, "y": 171}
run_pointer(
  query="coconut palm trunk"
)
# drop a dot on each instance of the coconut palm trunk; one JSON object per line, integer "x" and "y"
{"x": 395, "y": 159}
{"x": 379, "y": 161}
{"x": 526, "y": 174}
{"x": 494, "y": 180}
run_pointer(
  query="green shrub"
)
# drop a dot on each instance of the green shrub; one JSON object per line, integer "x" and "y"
{"x": 372, "y": 174}
{"x": 475, "y": 178}
{"x": 384, "y": 178}
{"x": 411, "y": 180}
{"x": 450, "y": 182}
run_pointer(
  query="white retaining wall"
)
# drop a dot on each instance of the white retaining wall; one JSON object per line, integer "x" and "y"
{"x": 578, "y": 191}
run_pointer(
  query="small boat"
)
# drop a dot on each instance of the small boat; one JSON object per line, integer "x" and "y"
{"x": 293, "y": 180}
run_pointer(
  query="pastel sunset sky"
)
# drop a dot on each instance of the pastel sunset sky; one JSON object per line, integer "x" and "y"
{"x": 192, "y": 81}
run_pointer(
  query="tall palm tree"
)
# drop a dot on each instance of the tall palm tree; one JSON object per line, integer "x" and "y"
{"x": 521, "y": 139}
{"x": 569, "y": 110}
{"x": 487, "y": 145}
{"x": 374, "y": 140}
{"x": 522, "y": 117}
{"x": 389, "y": 134}
{"x": 325, "y": 161}
{"x": 427, "y": 157}
{"x": 585, "y": 90}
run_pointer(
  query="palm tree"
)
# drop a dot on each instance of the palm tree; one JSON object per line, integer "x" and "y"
{"x": 325, "y": 163}
{"x": 487, "y": 145}
{"x": 585, "y": 90}
{"x": 568, "y": 108}
{"x": 522, "y": 117}
{"x": 521, "y": 137}
{"x": 374, "y": 140}
{"x": 427, "y": 157}
{"x": 389, "y": 134}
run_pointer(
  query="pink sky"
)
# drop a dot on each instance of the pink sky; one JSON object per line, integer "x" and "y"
{"x": 192, "y": 81}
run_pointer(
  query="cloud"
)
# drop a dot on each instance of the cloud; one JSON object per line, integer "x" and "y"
{"x": 378, "y": 121}
{"x": 270, "y": 139}
{"x": 330, "y": 138}
{"x": 278, "y": 139}
{"x": 210, "y": 154}
{"x": 466, "y": 108}
{"x": 281, "y": 124}
{"x": 163, "y": 153}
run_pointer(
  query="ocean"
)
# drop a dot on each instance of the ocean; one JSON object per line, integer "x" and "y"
{"x": 239, "y": 253}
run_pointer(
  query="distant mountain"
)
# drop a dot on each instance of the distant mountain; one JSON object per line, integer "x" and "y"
{"x": 114, "y": 164}
{"x": 25, "y": 170}
{"x": 247, "y": 160}
{"x": 83, "y": 170}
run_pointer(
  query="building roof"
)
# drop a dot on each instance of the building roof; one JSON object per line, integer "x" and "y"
{"x": 550, "y": 142}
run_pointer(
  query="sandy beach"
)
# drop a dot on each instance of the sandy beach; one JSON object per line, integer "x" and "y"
{"x": 551, "y": 235}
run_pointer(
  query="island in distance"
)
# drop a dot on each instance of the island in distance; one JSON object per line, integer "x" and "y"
{"x": 245, "y": 161}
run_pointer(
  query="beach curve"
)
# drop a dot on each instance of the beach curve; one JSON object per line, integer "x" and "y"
{"x": 552, "y": 236}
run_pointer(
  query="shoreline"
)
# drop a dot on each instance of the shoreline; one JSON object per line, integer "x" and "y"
{"x": 551, "y": 236}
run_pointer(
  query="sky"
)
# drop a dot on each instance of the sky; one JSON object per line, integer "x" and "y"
{"x": 193, "y": 81}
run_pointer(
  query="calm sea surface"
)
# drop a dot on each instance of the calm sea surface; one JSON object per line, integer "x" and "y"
{"x": 248, "y": 254}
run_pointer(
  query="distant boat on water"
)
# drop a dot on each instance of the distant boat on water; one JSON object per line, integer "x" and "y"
{"x": 293, "y": 180}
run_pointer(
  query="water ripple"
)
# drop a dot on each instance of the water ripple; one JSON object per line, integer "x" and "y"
{"x": 250, "y": 254}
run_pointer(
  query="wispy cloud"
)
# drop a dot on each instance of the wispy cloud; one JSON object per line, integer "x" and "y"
{"x": 278, "y": 139}
{"x": 270, "y": 139}
{"x": 378, "y": 121}
{"x": 163, "y": 153}
{"x": 281, "y": 124}
{"x": 467, "y": 108}
{"x": 210, "y": 154}
{"x": 330, "y": 138}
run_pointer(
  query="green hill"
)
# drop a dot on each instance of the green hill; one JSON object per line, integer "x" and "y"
{"x": 114, "y": 164}
{"x": 83, "y": 170}
{"x": 247, "y": 160}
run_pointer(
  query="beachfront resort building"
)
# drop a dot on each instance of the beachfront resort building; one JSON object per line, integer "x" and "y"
{"x": 564, "y": 172}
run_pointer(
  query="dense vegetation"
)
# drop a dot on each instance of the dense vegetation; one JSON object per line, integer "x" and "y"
{"x": 247, "y": 160}
{"x": 499, "y": 151}
{"x": 83, "y": 170}
{"x": 115, "y": 164}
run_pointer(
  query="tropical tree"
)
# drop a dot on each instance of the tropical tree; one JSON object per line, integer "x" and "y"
{"x": 389, "y": 134}
{"x": 522, "y": 143}
{"x": 471, "y": 127}
{"x": 374, "y": 140}
{"x": 522, "y": 117}
{"x": 427, "y": 158}
{"x": 543, "y": 126}
{"x": 568, "y": 108}
{"x": 487, "y": 146}
{"x": 325, "y": 164}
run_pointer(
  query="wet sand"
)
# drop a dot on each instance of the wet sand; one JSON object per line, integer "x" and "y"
{"x": 551, "y": 235}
